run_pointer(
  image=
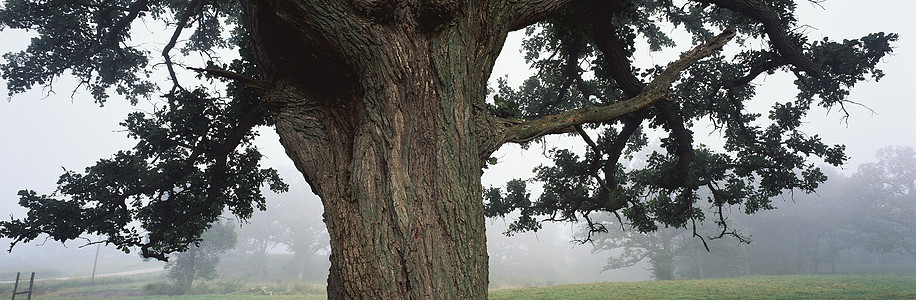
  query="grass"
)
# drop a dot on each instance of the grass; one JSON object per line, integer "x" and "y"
{"x": 156, "y": 287}
{"x": 756, "y": 287}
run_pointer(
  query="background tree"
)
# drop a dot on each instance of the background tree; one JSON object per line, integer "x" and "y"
{"x": 257, "y": 237}
{"x": 810, "y": 233}
{"x": 382, "y": 107}
{"x": 291, "y": 224}
{"x": 888, "y": 195}
{"x": 304, "y": 237}
{"x": 671, "y": 253}
{"x": 200, "y": 260}
{"x": 659, "y": 248}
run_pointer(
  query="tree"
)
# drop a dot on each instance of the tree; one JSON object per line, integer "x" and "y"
{"x": 256, "y": 238}
{"x": 659, "y": 248}
{"x": 665, "y": 250}
{"x": 304, "y": 237}
{"x": 889, "y": 194}
{"x": 382, "y": 107}
{"x": 281, "y": 227}
{"x": 809, "y": 231}
{"x": 200, "y": 260}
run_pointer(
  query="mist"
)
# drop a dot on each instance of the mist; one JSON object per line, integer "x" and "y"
{"x": 861, "y": 221}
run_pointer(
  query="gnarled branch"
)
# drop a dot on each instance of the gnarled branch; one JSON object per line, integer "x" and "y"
{"x": 654, "y": 91}
{"x": 775, "y": 30}
{"x": 527, "y": 12}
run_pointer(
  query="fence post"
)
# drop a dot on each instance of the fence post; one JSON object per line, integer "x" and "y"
{"x": 15, "y": 286}
{"x": 31, "y": 282}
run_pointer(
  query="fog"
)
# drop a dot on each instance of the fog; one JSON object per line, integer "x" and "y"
{"x": 845, "y": 228}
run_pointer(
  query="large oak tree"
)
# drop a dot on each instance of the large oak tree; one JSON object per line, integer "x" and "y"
{"x": 382, "y": 106}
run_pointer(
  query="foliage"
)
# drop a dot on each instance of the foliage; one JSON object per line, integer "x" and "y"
{"x": 200, "y": 261}
{"x": 194, "y": 157}
{"x": 888, "y": 194}
{"x": 761, "y": 157}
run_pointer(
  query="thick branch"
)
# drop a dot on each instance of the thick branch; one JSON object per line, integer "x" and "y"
{"x": 614, "y": 54}
{"x": 191, "y": 10}
{"x": 654, "y": 91}
{"x": 527, "y": 12}
{"x": 247, "y": 81}
{"x": 774, "y": 28}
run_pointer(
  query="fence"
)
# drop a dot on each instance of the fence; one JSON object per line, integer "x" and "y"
{"x": 14, "y": 288}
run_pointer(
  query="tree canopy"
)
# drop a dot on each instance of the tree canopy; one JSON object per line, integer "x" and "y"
{"x": 764, "y": 154}
{"x": 382, "y": 107}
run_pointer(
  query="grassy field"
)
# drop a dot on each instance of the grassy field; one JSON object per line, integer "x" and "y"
{"x": 764, "y": 287}
{"x": 757, "y": 287}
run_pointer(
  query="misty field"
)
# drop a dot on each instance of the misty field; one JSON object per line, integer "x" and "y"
{"x": 755, "y": 287}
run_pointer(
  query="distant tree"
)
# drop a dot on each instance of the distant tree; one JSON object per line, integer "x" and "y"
{"x": 811, "y": 232}
{"x": 257, "y": 237}
{"x": 282, "y": 227}
{"x": 723, "y": 258}
{"x": 659, "y": 248}
{"x": 200, "y": 260}
{"x": 888, "y": 190}
{"x": 304, "y": 237}
{"x": 383, "y": 108}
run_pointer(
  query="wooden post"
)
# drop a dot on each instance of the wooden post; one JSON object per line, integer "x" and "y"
{"x": 31, "y": 282}
{"x": 15, "y": 286}
{"x": 96, "y": 262}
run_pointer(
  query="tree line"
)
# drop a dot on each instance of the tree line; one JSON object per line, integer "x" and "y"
{"x": 865, "y": 218}
{"x": 280, "y": 243}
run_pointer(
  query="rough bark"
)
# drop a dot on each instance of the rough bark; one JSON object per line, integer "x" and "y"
{"x": 380, "y": 105}
{"x": 377, "y": 102}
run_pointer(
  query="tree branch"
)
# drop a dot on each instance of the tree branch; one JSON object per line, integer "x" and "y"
{"x": 527, "y": 12}
{"x": 189, "y": 11}
{"x": 247, "y": 81}
{"x": 654, "y": 91}
{"x": 774, "y": 27}
{"x": 614, "y": 54}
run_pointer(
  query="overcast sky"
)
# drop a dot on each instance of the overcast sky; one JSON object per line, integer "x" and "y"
{"x": 42, "y": 131}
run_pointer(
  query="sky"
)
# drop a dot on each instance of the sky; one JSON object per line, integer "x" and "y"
{"x": 44, "y": 131}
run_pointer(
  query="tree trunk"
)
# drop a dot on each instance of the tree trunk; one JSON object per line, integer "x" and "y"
{"x": 697, "y": 262}
{"x": 192, "y": 268}
{"x": 746, "y": 260}
{"x": 300, "y": 266}
{"x": 379, "y": 111}
{"x": 380, "y": 105}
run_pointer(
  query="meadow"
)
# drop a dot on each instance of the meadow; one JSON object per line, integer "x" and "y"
{"x": 754, "y": 287}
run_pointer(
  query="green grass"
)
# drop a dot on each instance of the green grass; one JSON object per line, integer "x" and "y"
{"x": 763, "y": 287}
{"x": 757, "y": 287}
{"x": 198, "y": 297}
{"x": 156, "y": 287}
